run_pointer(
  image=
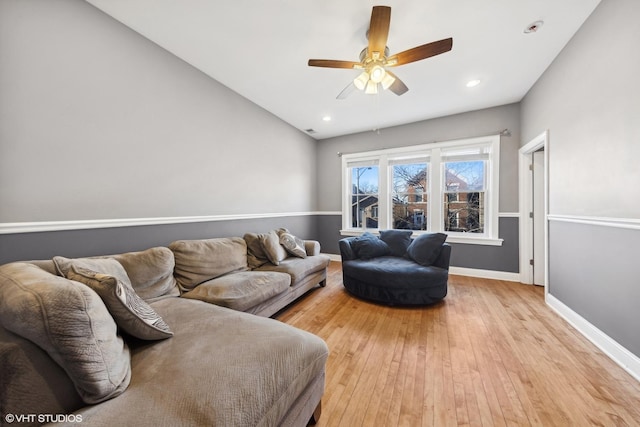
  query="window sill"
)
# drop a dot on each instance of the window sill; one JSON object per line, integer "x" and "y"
{"x": 466, "y": 240}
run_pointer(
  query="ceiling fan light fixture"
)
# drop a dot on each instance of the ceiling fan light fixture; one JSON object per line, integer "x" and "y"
{"x": 377, "y": 73}
{"x": 372, "y": 88}
{"x": 361, "y": 81}
{"x": 387, "y": 81}
{"x": 375, "y": 58}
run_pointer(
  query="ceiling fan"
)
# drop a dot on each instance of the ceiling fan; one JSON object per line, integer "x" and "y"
{"x": 375, "y": 58}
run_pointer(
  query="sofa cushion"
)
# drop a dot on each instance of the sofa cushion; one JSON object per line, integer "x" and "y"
{"x": 71, "y": 323}
{"x": 298, "y": 268}
{"x": 242, "y": 290}
{"x": 425, "y": 248}
{"x": 393, "y": 272}
{"x": 131, "y": 313}
{"x": 367, "y": 246}
{"x": 253, "y": 368}
{"x": 272, "y": 248}
{"x": 200, "y": 260}
{"x": 397, "y": 240}
{"x": 396, "y": 281}
{"x": 293, "y": 244}
{"x": 255, "y": 254}
{"x": 151, "y": 272}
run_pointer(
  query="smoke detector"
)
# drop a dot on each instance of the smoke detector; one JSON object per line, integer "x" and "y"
{"x": 533, "y": 27}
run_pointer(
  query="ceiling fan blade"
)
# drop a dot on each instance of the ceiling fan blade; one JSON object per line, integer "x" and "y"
{"x": 330, "y": 63}
{"x": 346, "y": 91}
{"x": 378, "y": 31}
{"x": 421, "y": 52}
{"x": 397, "y": 87}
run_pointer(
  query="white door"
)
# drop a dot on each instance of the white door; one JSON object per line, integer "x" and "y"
{"x": 538, "y": 218}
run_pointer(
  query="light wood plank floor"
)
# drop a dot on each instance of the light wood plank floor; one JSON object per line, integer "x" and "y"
{"x": 491, "y": 354}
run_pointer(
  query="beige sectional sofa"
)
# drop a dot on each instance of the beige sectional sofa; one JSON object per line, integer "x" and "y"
{"x": 162, "y": 337}
{"x": 255, "y": 273}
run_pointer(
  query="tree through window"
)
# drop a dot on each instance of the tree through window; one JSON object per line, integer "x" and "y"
{"x": 409, "y": 196}
{"x": 464, "y": 196}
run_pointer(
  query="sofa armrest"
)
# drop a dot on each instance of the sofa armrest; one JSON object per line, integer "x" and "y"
{"x": 443, "y": 259}
{"x": 312, "y": 247}
{"x": 31, "y": 382}
{"x": 346, "y": 251}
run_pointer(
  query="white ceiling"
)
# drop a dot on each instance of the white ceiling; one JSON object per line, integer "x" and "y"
{"x": 260, "y": 50}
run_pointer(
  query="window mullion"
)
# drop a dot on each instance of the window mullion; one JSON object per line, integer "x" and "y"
{"x": 383, "y": 193}
{"x": 435, "y": 206}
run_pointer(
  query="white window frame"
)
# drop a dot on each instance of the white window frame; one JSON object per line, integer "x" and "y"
{"x": 435, "y": 206}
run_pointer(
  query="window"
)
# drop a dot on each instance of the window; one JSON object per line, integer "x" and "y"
{"x": 363, "y": 183}
{"x": 449, "y": 187}
{"x": 409, "y": 194}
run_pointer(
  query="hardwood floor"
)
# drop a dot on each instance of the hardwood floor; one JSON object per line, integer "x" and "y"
{"x": 491, "y": 354}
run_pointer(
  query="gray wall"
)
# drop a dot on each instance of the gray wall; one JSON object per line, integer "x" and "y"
{"x": 595, "y": 273}
{"x": 97, "y": 122}
{"x": 589, "y": 101}
{"x": 103, "y": 241}
{"x": 466, "y": 125}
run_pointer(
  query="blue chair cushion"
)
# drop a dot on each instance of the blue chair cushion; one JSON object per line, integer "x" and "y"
{"x": 368, "y": 246}
{"x": 426, "y": 248}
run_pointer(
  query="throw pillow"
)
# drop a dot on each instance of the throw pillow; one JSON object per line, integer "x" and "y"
{"x": 397, "y": 240}
{"x": 131, "y": 313}
{"x": 71, "y": 323}
{"x": 255, "y": 254}
{"x": 368, "y": 246}
{"x": 272, "y": 248}
{"x": 104, "y": 265}
{"x": 293, "y": 244}
{"x": 426, "y": 248}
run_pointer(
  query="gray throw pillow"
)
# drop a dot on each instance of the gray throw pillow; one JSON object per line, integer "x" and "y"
{"x": 255, "y": 254}
{"x": 293, "y": 245}
{"x": 426, "y": 248}
{"x": 104, "y": 265}
{"x": 367, "y": 246}
{"x": 131, "y": 313}
{"x": 71, "y": 323}
{"x": 397, "y": 240}
{"x": 272, "y": 248}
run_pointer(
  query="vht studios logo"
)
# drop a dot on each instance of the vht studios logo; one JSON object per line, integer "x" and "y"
{"x": 42, "y": 418}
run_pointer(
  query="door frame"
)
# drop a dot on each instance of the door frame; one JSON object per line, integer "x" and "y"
{"x": 525, "y": 182}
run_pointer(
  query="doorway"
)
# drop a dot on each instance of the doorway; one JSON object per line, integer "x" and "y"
{"x": 539, "y": 262}
{"x": 533, "y": 188}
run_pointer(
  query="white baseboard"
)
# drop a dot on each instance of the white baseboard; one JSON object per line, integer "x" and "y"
{"x": 620, "y": 355}
{"x": 334, "y": 257}
{"x": 485, "y": 274}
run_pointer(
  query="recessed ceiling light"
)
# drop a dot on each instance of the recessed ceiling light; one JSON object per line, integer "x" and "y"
{"x": 327, "y": 118}
{"x": 533, "y": 27}
{"x": 473, "y": 83}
